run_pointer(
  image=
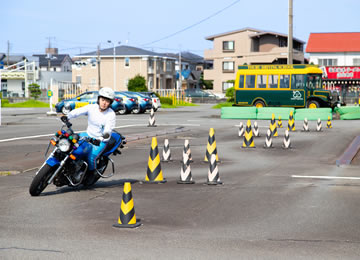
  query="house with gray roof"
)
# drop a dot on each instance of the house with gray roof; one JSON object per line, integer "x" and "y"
{"x": 114, "y": 67}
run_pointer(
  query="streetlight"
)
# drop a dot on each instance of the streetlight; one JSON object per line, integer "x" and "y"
{"x": 114, "y": 53}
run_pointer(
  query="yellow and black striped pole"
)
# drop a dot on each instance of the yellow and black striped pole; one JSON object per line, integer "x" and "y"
{"x": 328, "y": 124}
{"x": 280, "y": 123}
{"x": 154, "y": 172}
{"x": 248, "y": 137}
{"x": 127, "y": 217}
{"x": 273, "y": 127}
{"x": 291, "y": 123}
{"x": 211, "y": 146}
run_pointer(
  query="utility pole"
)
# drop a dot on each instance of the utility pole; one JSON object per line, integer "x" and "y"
{"x": 98, "y": 63}
{"x": 180, "y": 71}
{"x": 8, "y": 53}
{"x": 290, "y": 36}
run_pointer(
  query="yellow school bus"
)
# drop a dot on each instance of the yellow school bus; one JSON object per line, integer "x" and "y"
{"x": 282, "y": 85}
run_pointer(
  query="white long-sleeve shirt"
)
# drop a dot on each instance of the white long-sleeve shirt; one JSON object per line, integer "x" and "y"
{"x": 98, "y": 122}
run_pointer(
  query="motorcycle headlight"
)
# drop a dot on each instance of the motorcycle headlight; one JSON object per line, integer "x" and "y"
{"x": 64, "y": 145}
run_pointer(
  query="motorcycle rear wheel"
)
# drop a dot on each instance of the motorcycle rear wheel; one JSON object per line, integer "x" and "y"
{"x": 40, "y": 182}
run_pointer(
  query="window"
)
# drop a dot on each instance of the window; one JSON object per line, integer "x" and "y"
{"x": 282, "y": 42}
{"x": 297, "y": 81}
{"x": 250, "y": 81}
{"x": 151, "y": 63}
{"x": 327, "y": 62}
{"x": 127, "y": 62}
{"x": 273, "y": 81}
{"x": 226, "y": 85}
{"x": 261, "y": 81}
{"x": 228, "y": 45}
{"x": 168, "y": 65}
{"x": 284, "y": 81}
{"x": 356, "y": 61}
{"x": 241, "y": 81}
{"x": 228, "y": 66}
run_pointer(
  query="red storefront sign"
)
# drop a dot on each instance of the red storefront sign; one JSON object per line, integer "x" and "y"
{"x": 344, "y": 72}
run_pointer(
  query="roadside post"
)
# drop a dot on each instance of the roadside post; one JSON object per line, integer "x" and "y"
{"x": 50, "y": 93}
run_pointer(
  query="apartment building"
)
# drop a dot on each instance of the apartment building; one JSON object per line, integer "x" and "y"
{"x": 114, "y": 67}
{"x": 246, "y": 46}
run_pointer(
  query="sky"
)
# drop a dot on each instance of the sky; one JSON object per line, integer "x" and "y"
{"x": 79, "y": 26}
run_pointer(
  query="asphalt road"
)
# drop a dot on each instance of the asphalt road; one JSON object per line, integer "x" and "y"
{"x": 269, "y": 206}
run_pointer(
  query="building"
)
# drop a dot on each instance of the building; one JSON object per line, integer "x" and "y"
{"x": 338, "y": 54}
{"x": 246, "y": 46}
{"x": 93, "y": 69}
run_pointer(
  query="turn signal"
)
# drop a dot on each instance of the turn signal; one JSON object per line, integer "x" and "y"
{"x": 53, "y": 142}
{"x": 74, "y": 141}
{"x": 59, "y": 132}
{"x": 72, "y": 157}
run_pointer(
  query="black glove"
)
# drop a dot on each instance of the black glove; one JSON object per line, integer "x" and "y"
{"x": 64, "y": 119}
{"x": 95, "y": 142}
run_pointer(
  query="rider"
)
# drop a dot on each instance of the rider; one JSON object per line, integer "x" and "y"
{"x": 101, "y": 121}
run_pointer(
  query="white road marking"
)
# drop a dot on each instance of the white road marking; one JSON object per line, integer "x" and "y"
{"x": 325, "y": 177}
{"x": 47, "y": 135}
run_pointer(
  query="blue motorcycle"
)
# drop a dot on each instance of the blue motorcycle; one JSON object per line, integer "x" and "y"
{"x": 68, "y": 164}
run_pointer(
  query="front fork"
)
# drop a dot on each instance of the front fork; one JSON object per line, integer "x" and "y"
{"x": 62, "y": 163}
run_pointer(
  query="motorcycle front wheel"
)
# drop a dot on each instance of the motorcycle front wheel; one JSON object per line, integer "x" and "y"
{"x": 40, "y": 182}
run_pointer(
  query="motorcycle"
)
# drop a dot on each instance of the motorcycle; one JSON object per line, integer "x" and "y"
{"x": 67, "y": 164}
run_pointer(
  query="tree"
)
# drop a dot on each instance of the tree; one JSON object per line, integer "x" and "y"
{"x": 208, "y": 84}
{"x": 230, "y": 92}
{"x": 35, "y": 91}
{"x": 137, "y": 84}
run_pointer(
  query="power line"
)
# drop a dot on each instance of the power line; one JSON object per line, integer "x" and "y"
{"x": 193, "y": 25}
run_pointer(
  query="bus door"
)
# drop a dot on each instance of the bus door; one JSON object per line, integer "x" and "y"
{"x": 298, "y": 90}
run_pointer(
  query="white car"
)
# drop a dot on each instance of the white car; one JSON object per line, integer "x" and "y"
{"x": 155, "y": 100}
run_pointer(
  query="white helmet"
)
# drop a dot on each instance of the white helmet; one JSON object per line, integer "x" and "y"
{"x": 107, "y": 93}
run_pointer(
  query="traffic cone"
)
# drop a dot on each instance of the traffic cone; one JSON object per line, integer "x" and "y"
{"x": 185, "y": 172}
{"x": 213, "y": 173}
{"x": 248, "y": 137}
{"x": 328, "y": 124}
{"x": 291, "y": 123}
{"x": 273, "y": 127}
{"x": 268, "y": 140}
{"x": 256, "y": 130}
{"x": 166, "y": 151}
{"x": 318, "y": 125}
{"x": 286, "y": 143}
{"x": 241, "y": 130}
{"x": 154, "y": 172}
{"x": 187, "y": 150}
{"x": 127, "y": 217}
{"x": 280, "y": 125}
{"x": 211, "y": 146}
{"x": 306, "y": 125}
{"x": 152, "y": 118}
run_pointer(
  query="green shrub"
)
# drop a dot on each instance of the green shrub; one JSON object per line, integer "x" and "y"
{"x": 230, "y": 94}
{"x": 35, "y": 91}
{"x": 4, "y": 102}
{"x": 137, "y": 84}
{"x": 166, "y": 100}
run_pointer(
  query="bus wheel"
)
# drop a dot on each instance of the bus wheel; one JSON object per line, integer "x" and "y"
{"x": 259, "y": 103}
{"x": 313, "y": 104}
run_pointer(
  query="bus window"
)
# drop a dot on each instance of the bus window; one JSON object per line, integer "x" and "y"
{"x": 284, "y": 81}
{"x": 313, "y": 81}
{"x": 261, "y": 81}
{"x": 297, "y": 81}
{"x": 241, "y": 81}
{"x": 273, "y": 81}
{"x": 250, "y": 81}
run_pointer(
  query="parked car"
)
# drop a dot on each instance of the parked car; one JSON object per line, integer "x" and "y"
{"x": 198, "y": 93}
{"x": 90, "y": 97}
{"x": 156, "y": 104}
{"x": 130, "y": 102}
{"x": 145, "y": 103}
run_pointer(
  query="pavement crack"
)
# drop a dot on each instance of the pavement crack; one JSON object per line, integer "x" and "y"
{"x": 99, "y": 195}
{"x": 314, "y": 240}
{"x": 31, "y": 249}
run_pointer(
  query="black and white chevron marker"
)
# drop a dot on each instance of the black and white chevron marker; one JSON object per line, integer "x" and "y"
{"x": 268, "y": 140}
{"x": 286, "y": 143}
{"x": 187, "y": 150}
{"x": 256, "y": 129}
{"x": 306, "y": 125}
{"x": 152, "y": 118}
{"x": 185, "y": 172}
{"x": 318, "y": 125}
{"x": 213, "y": 173}
{"x": 241, "y": 130}
{"x": 166, "y": 151}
